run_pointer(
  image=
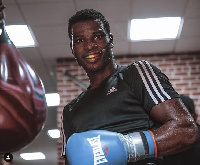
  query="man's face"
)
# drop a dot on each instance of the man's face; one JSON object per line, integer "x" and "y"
{"x": 91, "y": 45}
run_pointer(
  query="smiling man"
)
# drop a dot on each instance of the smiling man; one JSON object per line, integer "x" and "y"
{"x": 91, "y": 45}
{"x": 129, "y": 114}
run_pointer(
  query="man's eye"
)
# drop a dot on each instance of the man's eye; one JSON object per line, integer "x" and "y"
{"x": 78, "y": 41}
{"x": 99, "y": 36}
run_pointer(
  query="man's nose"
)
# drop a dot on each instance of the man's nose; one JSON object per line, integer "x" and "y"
{"x": 90, "y": 45}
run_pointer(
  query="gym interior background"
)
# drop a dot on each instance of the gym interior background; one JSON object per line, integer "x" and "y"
{"x": 52, "y": 58}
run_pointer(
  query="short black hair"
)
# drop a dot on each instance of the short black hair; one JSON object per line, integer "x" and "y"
{"x": 85, "y": 15}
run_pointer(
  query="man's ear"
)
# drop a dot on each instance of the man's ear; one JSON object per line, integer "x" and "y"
{"x": 111, "y": 40}
{"x": 71, "y": 46}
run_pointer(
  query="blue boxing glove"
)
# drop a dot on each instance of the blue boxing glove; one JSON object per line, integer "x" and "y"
{"x": 104, "y": 147}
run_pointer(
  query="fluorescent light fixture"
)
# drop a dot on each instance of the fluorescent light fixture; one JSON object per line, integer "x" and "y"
{"x": 53, "y": 99}
{"x": 155, "y": 28}
{"x": 32, "y": 156}
{"x": 54, "y": 133}
{"x": 20, "y": 35}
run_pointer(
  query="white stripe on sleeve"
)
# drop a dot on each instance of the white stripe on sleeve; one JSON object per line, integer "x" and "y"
{"x": 151, "y": 81}
{"x": 146, "y": 84}
{"x": 157, "y": 81}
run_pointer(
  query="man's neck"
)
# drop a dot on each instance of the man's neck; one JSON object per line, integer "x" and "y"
{"x": 97, "y": 77}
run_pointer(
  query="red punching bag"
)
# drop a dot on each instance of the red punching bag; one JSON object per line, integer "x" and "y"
{"x": 23, "y": 107}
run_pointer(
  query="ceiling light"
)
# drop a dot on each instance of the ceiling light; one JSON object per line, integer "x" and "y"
{"x": 54, "y": 133}
{"x": 155, "y": 28}
{"x": 20, "y": 35}
{"x": 32, "y": 156}
{"x": 53, "y": 99}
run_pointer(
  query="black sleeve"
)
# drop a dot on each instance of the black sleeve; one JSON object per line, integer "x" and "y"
{"x": 65, "y": 129}
{"x": 66, "y": 126}
{"x": 149, "y": 84}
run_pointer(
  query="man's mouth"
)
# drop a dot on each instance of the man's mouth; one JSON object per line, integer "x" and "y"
{"x": 92, "y": 56}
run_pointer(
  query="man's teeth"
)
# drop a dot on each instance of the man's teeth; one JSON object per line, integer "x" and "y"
{"x": 91, "y": 56}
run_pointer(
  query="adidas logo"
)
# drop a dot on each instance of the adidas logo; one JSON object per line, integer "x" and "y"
{"x": 113, "y": 89}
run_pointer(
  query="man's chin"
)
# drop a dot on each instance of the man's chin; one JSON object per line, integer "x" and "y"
{"x": 96, "y": 66}
{"x": 93, "y": 69}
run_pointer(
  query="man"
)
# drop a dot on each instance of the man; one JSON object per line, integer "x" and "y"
{"x": 191, "y": 156}
{"x": 129, "y": 114}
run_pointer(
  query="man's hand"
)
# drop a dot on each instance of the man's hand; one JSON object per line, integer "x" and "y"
{"x": 105, "y": 147}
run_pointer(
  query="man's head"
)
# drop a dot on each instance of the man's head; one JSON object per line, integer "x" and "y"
{"x": 86, "y": 15}
{"x": 91, "y": 40}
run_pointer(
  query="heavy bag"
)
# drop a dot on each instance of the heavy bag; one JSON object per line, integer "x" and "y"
{"x": 23, "y": 107}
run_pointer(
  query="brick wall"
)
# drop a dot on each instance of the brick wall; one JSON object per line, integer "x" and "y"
{"x": 183, "y": 71}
